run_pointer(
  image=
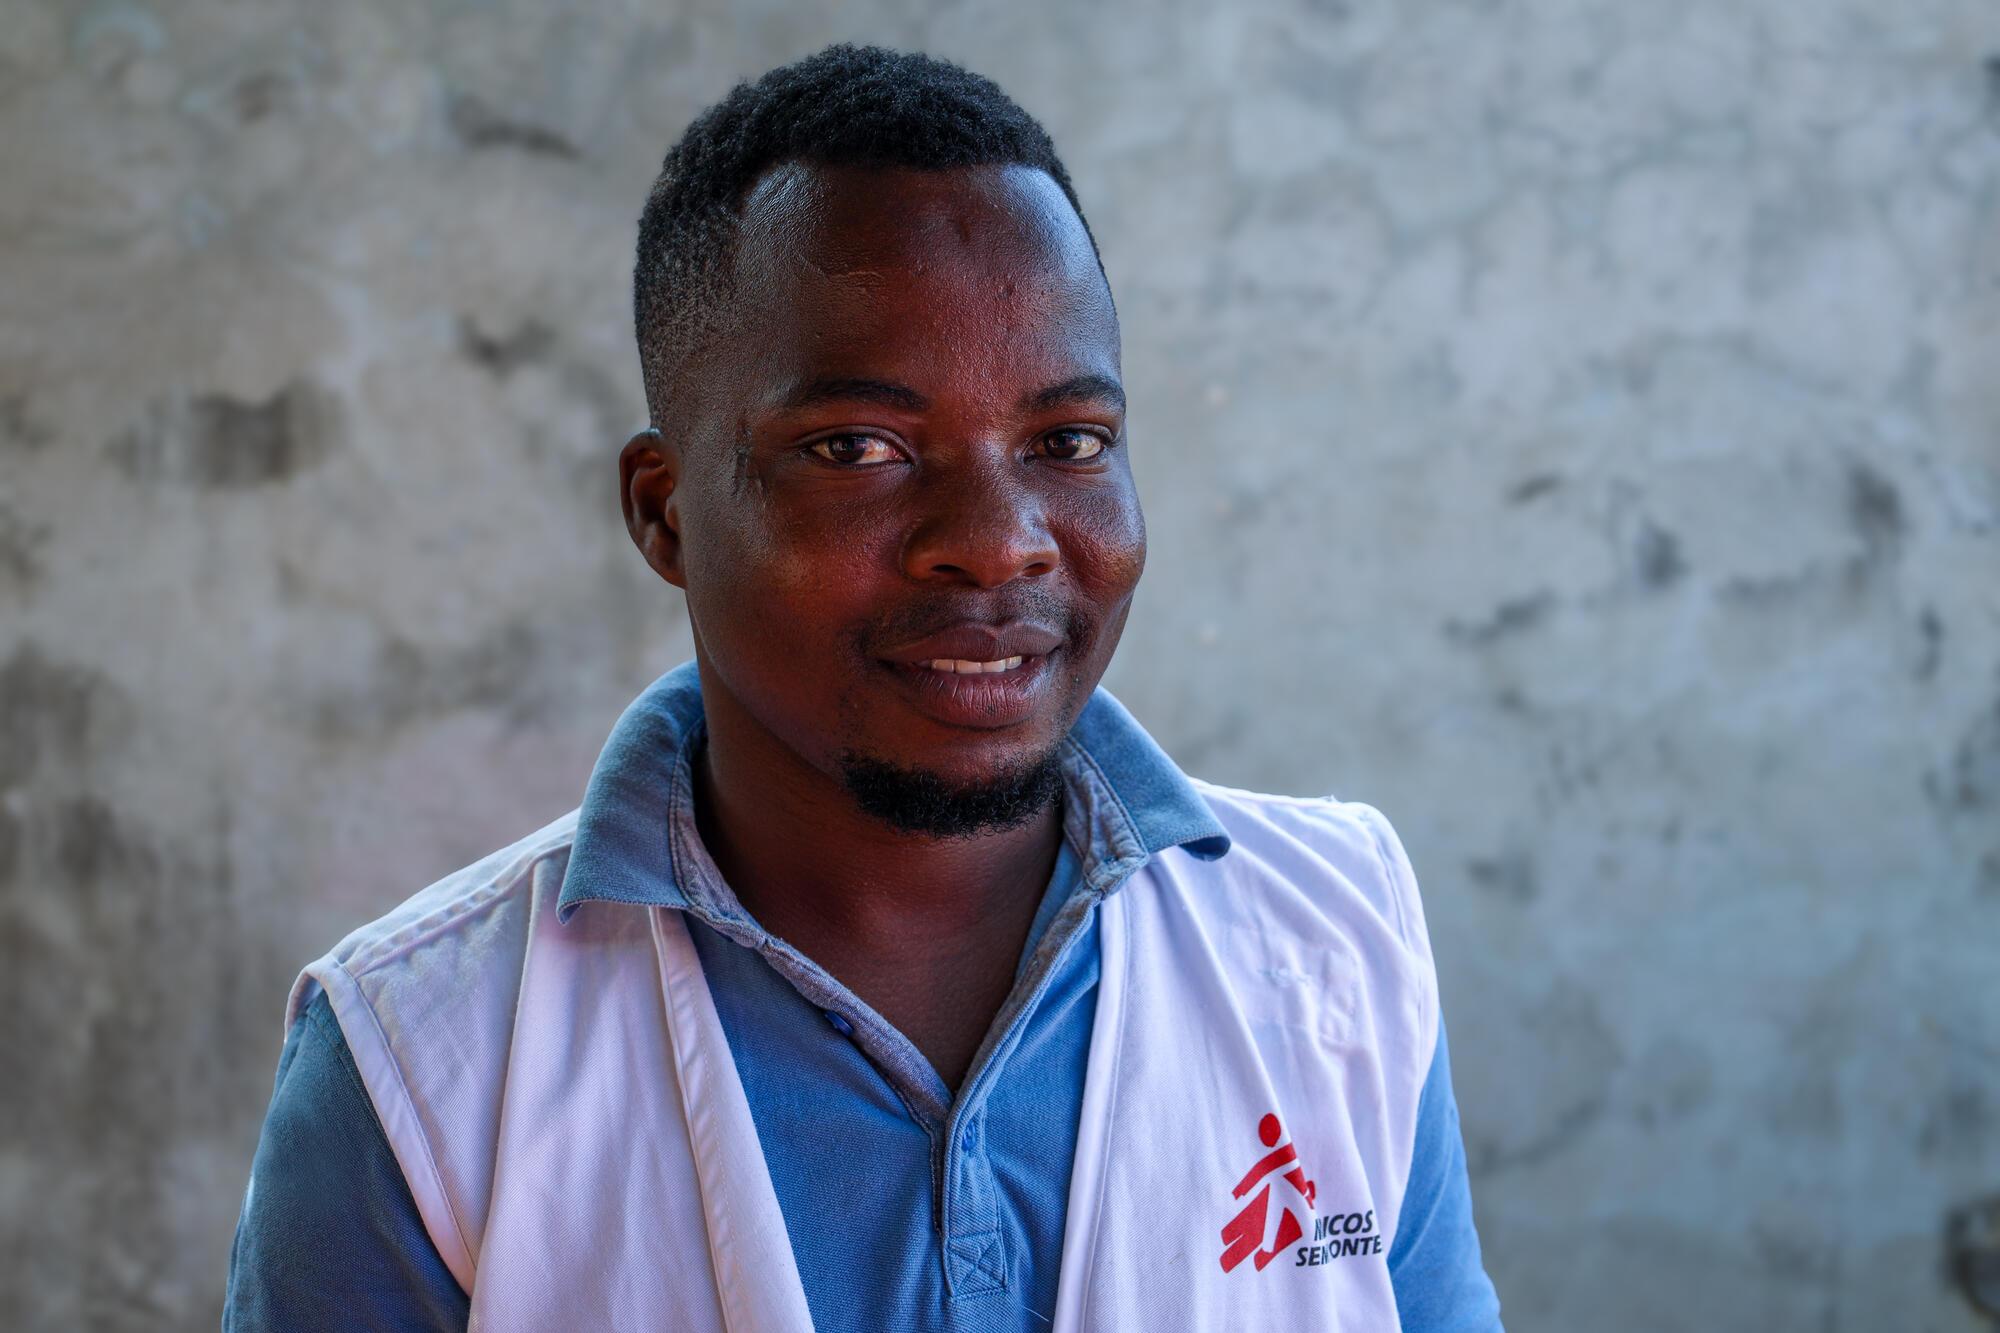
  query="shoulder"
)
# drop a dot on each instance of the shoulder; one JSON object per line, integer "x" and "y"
{"x": 479, "y": 914}
{"x": 1344, "y": 855}
{"x": 1341, "y": 829}
{"x": 1313, "y": 920}
{"x": 425, "y": 998}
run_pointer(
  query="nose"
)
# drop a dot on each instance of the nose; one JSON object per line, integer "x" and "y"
{"x": 980, "y": 527}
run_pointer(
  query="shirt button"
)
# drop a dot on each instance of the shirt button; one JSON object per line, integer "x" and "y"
{"x": 840, "y": 1023}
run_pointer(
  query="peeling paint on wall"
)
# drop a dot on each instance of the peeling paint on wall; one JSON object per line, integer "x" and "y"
{"x": 215, "y": 441}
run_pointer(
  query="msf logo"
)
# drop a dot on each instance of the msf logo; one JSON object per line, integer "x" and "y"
{"x": 1277, "y": 1171}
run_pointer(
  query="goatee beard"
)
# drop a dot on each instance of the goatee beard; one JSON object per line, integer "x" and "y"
{"x": 915, "y": 800}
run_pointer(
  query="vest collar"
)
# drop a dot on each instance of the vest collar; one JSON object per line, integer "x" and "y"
{"x": 636, "y": 841}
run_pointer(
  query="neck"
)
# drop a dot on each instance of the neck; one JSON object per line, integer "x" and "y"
{"x": 927, "y": 930}
{"x": 802, "y": 853}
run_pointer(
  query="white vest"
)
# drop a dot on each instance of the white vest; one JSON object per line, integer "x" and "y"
{"x": 562, "y": 1100}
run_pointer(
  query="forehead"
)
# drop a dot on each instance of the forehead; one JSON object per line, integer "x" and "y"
{"x": 856, "y": 270}
{"x": 838, "y": 218}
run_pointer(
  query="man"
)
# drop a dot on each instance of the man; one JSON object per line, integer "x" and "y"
{"x": 889, "y": 976}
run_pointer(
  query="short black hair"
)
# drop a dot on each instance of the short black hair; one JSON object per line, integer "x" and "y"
{"x": 846, "y": 106}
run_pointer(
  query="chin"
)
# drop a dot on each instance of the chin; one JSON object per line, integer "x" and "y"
{"x": 961, "y": 759}
{"x": 914, "y": 798}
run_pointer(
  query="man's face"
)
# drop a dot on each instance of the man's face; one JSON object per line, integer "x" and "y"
{"x": 907, "y": 527}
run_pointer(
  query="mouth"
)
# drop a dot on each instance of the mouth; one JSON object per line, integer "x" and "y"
{"x": 977, "y": 694}
{"x": 977, "y": 676}
{"x": 958, "y": 666}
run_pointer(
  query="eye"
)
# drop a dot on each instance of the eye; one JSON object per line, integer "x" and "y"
{"x": 1072, "y": 445}
{"x": 855, "y": 451}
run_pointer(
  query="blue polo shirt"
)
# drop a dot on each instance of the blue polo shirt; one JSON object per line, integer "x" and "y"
{"x": 907, "y": 1206}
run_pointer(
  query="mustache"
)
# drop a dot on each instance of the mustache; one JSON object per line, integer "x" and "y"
{"x": 934, "y": 613}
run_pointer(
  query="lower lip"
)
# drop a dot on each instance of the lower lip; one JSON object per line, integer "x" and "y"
{"x": 986, "y": 701}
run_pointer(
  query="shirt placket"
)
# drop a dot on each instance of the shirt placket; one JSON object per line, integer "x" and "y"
{"x": 972, "y": 1242}
{"x": 975, "y": 1258}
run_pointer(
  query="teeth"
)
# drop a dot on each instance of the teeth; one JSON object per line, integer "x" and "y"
{"x": 958, "y": 666}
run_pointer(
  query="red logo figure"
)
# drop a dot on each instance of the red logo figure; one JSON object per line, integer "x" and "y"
{"x": 1245, "y": 1231}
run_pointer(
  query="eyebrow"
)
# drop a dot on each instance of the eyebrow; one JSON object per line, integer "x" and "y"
{"x": 887, "y": 393}
{"x": 1083, "y": 388}
{"x": 848, "y": 389}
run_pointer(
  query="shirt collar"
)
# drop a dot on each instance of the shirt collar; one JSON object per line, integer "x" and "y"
{"x": 636, "y": 841}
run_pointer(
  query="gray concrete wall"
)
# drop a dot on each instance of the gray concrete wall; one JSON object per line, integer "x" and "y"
{"x": 1570, "y": 426}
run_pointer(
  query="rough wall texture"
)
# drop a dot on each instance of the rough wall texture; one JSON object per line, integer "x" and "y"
{"x": 1571, "y": 426}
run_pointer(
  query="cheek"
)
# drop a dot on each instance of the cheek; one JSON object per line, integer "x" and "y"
{"x": 1104, "y": 539}
{"x": 771, "y": 571}
{"x": 824, "y": 559}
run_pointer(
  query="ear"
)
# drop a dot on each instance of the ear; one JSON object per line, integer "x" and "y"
{"x": 649, "y": 471}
